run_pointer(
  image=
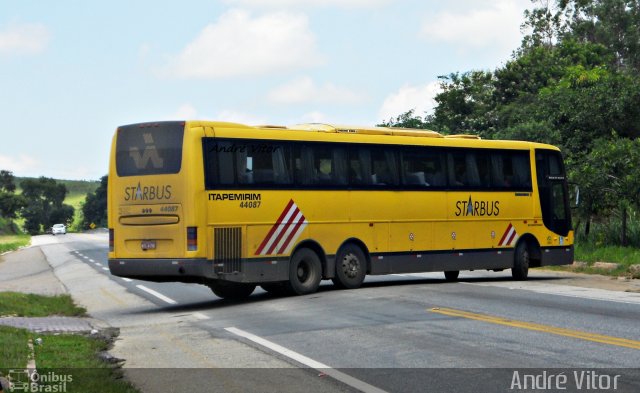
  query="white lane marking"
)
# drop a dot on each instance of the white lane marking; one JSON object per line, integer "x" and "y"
{"x": 105, "y": 268}
{"x": 126, "y": 279}
{"x": 85, "y": 257}
{"x": 91, "y": 260}
{"x": 97, "y": 264}
{"x": 335, "y": 374}
{"x": 157, "y": 294}
{"x": 200, "y": 315}
{"x": 566, "y": 290}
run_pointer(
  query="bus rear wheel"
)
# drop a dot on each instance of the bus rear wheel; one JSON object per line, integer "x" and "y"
{"x": 231, "y": 290}
{"x": 305, "y": 272}
{"x": 520, "y": 269}
{"x": 351, "y": 267}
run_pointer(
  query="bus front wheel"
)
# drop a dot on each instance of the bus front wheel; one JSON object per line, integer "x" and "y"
{"x": 520, "y": 269}
{"x": 351, "y": 267}
{"x": 231, "y": 290}
{"x": 305, "y": 272}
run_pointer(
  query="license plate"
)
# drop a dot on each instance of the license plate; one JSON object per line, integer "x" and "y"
{"x": 148, "y": 245}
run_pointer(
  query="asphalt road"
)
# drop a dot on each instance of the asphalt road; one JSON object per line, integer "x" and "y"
{"x": 408, "y": 332}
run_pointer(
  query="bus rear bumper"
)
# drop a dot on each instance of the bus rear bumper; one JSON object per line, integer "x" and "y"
{"x": 557, "y": 255}
{"x": 163, "y": 270}
{"x": 200, "y": 270}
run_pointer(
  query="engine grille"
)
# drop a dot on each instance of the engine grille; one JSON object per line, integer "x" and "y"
{"x": 227, "y": 250}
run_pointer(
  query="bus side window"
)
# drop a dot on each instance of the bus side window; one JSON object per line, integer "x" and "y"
{"x": 414, "y": 169}
{"x": 498, "y": 178}
{"x": 359, "y": 166}
{"x": 458, "y": 176}
{"x": 224, "y": 153}
{"x": 384, "y": 167}
{"x": 510, "y": 170}
{"x": 483, "y": 162}
{"x": 521, "y": 171}
{"x": 263, "y": 163}
{"x": 472, "y": 172}
{"x": 329, "y": 165}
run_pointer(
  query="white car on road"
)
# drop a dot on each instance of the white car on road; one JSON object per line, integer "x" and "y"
{"x": 58, "y": 229}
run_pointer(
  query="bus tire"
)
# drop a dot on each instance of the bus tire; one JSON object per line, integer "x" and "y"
{"x": 231, "y": 290}
{"x": 520, "y": 269}
{"x": 451, "y": 275}
{"x": 305, "y": 272}
{"x": 351, "y": 267}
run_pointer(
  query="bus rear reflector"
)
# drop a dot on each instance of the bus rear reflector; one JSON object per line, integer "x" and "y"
{"x": 192, "y": 238}
{"x": 110, "y": 239}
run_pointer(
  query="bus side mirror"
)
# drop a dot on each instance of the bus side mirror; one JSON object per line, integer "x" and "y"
{"x": 574, "y": 195}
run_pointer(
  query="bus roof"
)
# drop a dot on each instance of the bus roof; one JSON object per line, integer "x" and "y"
{"x": 338, "y": 133}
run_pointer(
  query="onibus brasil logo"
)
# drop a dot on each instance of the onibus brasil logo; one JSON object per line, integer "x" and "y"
{"x": 30, "y": 381}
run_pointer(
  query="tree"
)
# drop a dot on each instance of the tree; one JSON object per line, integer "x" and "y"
{"x": 466, "y": 104}
{"x": 94, "y": 209}
{"x": 615, "y": 24}
{"x": 407, "y": 120}
{"x": 609, "y": 179}
{"x": 10, "y": 203}
{"x": 574, "y": 82}
{"x": 44, "y": 206}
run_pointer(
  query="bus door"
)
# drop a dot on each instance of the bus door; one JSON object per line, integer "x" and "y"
{"x": 552, "y": 187}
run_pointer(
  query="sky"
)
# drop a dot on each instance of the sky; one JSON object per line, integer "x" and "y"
{"x": 73, "y": 71}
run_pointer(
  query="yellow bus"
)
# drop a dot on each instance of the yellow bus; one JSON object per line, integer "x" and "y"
{"x": 232, "y": 206}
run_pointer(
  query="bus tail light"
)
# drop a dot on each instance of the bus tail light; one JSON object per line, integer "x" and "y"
{"x": 110, "y": 239}
{"x": 192, "y": 238}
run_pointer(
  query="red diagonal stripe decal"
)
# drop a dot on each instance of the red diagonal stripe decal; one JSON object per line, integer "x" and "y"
{"x": 292, "y": 234}
{"x": 274, "y": 227}
{"x": 505, "y": 235}
{"x": 513, "y": 236}
{"x": 283, "y": 230}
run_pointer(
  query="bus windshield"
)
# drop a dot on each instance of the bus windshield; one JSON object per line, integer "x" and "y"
{"x": 149, "y": 149}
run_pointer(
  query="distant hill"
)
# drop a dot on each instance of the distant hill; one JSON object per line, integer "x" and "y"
{"x": 75, "y": 187}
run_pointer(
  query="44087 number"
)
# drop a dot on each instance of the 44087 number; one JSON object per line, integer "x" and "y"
{"x": 250, "y": 204}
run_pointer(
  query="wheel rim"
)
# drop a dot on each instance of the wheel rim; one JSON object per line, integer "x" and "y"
{"x": 350, "y": 266}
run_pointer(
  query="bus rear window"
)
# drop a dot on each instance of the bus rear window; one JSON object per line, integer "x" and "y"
{"x": 149, "y": 149}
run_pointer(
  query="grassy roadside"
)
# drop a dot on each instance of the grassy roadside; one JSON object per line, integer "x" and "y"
{"x": 71, "y": 356}
{"x": 590, "y": 254}
{"x": 31, "y": 305}
{"x": 13, "y": 242}
{"x": 616, "y": 254}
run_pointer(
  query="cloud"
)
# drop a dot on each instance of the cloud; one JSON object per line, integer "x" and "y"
{"x": 24, "y": 39}
{"x": 238, "y": 44}
{"x": 185, "y": 112}
{"x": 314, "y": 117}
{"x": 22, "y": 163}
{"x": 495, "y": 25}
{"x": 418, "y": 98}
{"x": 305, "y": 90}
{"x": 234, "y": 116}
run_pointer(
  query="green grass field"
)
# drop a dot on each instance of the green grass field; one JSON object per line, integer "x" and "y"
{"x": 32, "y": 305}
{"x": 13, "y": 242}
{"x": 62, "y": 354}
